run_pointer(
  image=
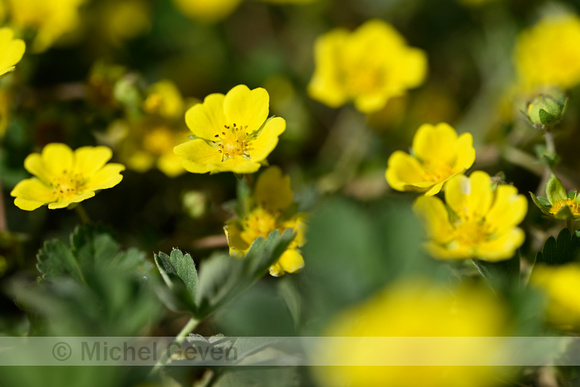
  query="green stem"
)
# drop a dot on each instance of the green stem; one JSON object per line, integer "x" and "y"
{"x": 82, "y": 213}
{"x": 550, "y": 149}
{"x": 179, "y": 339}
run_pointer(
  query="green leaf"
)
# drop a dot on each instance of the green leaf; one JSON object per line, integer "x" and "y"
{"x": 561, "y": 250}
{"x": 179, "y": 273}
{"x": 555, "y": 190}
{"x": 222, "y": 277}
{"x": 56, "y": 260}
{"x": 542, "y": 203}
{"x": 502, "y": 276}
{"x": 291, "y": 295}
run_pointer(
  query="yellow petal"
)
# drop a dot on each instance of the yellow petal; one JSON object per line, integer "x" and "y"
{"x": 369, "y": 103}
{"x": 508, "y": 209}
{"x": 198, "y": 156}
{"x": 449, "y": 252}
{"x": 57, "y": 158}
{"x": 237, "y": 244}
{"x": 267, "y": 140}
{"x": 31, "y": 194}
{"x": 404, "y": 172}
{"x": 435, "y": 143}
{"x": 471, "y": 197}
{"x": 326, "y": 84}
{"x": 502, "y": 247}
{"x": 170, "y": 164}
{"x": 205, "y": 120}
{"x": 12, "y": 50}
{"x": 411, "y": 68}
{"x": 245, "y": 107}
{"x": 237, "y": 165}
{"x": 106, "y": 177}
{"x": 65, "y": 202}
{"x": 89, "y": 159}
{"x": 273, "y": 190}
{"x": 435, "y": 217}
{"x": 465, "y": 152}
{"x": 290, "y": 261}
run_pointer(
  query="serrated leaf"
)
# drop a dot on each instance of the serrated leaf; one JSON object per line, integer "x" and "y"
{"x": 542, "y": 203}
{"x": 56, "y": 260}
{"x": 222, "y": 277}
{"x": 555, "y": 190}
{"x": 561, "y": 250}
{"x": 179, "y": 273}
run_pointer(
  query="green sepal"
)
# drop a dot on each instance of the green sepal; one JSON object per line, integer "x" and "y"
{"x": 555, "y": 190}
{"x": 546, "y": 118}
{"x": 542, "y": 203}
{"x": 180, "y": 275}
{"x": 564, "y": 213}
{"x": 572, "y": 195}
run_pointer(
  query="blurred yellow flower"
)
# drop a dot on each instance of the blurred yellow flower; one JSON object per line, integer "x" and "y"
{"x": 207, "y": 10}
{"x": 415, "y": 308}
{"x": 561, "y": 284}
{"x": 164, "y": 98}
{"x": 123, "y": 20}
{"x": 231, "y": 132}
{"x": 63, "y": 177}
{"x": 51, "y": 19}
{"x": 271, "y": 210}
{"x": 368, "y": 66}
{"x": 12, "y": 50}
{"x": 481, "y": 222}
{"x": 438, "y": 154}
{"x": 549, "y": 52}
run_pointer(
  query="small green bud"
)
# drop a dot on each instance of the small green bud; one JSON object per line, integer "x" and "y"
{"x": 546, "y": 110}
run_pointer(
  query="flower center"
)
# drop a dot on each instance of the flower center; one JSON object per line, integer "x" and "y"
{"x": 68, "y": 184}
{"x": 471, "y": 233}
{"x": 233, "y": 142}
{"x": 571, "y": 203}
{"x": 437, "y": 171}
{"x": 259, "y": 223}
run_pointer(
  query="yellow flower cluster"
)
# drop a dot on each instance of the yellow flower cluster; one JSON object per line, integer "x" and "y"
{"x": 207, "y": 10}
{"x": 148, "y": 140}
{"x": 368, "y": 66}
{"x": 231, "y": 132}
{"x": 548, "y": 54}
{"x": 271, "y": 210}
{"x": 63, "y": 177}
{"x": 414, "y": 308}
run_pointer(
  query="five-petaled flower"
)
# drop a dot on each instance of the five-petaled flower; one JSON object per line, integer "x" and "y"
{"x": 368, "y": 66}
{"x": 231, "y": 132}
{"x": 438, "y": 154}
{"x": 476, "y": 221}
{"x": 12, "y": 50}
{"x": 64, "y": 177}
{"x": 271, "y": 209}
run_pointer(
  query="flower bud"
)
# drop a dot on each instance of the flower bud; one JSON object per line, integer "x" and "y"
{"x": 546, "y": 110}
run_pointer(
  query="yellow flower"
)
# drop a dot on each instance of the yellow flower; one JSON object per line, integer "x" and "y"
{"x": 438, "y": 155}
{"x": 270, "y": 211}
{"x": 51, "y": 19}
{"x": 482, "y": 223}
{"x": 12, "y": 50}
{"x": 369, "y": 66}
{"x": 549, "y": 52}
{"x": 415, "y": 308}
{"x": 231, "y": 132}
{"x": 207, "y": 10}
{"x": 561, "y": 284}
{"x": 164, "y": 98}
{"x": 63, "y": 177}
